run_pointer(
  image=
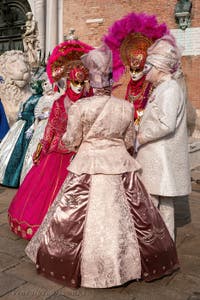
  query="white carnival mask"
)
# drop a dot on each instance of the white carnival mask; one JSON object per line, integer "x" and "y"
{"x": 77, "y": 86}
{"x": 136, "y": 74}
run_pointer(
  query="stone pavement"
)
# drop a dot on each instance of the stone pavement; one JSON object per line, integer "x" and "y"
{"x": 19, "y": 281}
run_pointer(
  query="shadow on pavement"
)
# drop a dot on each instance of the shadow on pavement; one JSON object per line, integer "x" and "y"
{"x": 182, "y": 211}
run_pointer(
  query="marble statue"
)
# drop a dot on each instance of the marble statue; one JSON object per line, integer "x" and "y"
{"x": 14, "y": 85}
{"x": 30, "y": 39}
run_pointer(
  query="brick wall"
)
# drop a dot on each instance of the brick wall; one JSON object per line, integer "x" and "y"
{"x": 78, "y": 12}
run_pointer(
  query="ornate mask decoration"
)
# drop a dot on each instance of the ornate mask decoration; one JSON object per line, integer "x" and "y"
{"x": 133, "y": 31}
{"x": 77, "y": 77}
{"x": 133, "y": 53}
{"x": 64, "y": 58}
{"x": 137, "y": 61}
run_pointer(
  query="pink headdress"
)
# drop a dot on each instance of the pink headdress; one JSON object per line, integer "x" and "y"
{"x": 132, "y": 32}
{"x": 64, "y": 58}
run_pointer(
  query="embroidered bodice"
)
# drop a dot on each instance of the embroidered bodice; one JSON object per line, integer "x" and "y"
{"x": 100, "y": 129}
{"x": 55, "y": 128}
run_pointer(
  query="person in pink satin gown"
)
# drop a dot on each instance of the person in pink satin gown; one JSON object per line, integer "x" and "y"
{"x": 52, "y": 157}
{"x": 102, "y": 229}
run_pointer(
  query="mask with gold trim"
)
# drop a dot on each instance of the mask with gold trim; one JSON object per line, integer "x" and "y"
{"x": 137, "y": 62}
{"x": 77, "y": 77}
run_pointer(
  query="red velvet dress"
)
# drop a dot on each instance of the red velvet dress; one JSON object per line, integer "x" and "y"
{"x": 43, "y": 181}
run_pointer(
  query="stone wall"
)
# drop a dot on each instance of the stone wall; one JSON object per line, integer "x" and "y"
{"x": 91, "y": 18}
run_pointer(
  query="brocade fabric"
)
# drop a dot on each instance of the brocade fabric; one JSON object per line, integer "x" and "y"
{"x": 164, "y": 149}
{"x": 55, "y": 128}
{"x": 102, "y": 146}
{"x": 102, "y": 231}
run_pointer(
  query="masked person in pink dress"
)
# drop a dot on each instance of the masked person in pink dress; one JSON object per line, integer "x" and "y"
{"x": 102, "y": 230}
{"x": 51, "y": 158}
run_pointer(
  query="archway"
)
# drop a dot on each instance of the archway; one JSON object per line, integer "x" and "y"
{"x": 12, "y": 20}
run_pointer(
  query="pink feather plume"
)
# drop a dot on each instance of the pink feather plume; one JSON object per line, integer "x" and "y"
{"x": 139, "y": 23}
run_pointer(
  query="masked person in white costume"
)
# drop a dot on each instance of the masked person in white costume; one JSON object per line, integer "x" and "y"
{"x": 162, "y": 137}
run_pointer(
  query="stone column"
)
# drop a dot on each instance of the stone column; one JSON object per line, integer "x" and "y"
{"x": 39, "y": 15}
{"x": 51, "y": 25}
{"x": 32, "y": 5}
{"x": 60, "y": 21}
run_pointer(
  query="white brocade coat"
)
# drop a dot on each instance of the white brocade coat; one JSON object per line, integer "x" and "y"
{"x": 164, "y": 151}
{"x": 103, "y": 128}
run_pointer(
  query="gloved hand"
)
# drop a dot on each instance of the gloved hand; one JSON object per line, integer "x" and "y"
{"x": 44, "y": 115}
{"x": 136, "y": 145}
{"x": 29, "y": 132}
{"x": 19, "y": 116}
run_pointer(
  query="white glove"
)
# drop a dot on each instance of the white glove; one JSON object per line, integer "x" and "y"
{"x": 136, "y": 145}
{"x": 44, "y": 115}
{"x": 29, "y": 132}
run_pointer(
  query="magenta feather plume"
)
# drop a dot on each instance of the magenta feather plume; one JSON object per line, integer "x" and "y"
{"x": 142, "y": 23}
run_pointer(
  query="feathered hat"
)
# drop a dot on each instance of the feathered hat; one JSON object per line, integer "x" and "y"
{"x": 64, "y": 58}
{"x": 129, "y": 38}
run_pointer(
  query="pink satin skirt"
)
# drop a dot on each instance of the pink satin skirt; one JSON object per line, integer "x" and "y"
{"x": 36, "y": 194}
{"x": 103, "y": 231}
